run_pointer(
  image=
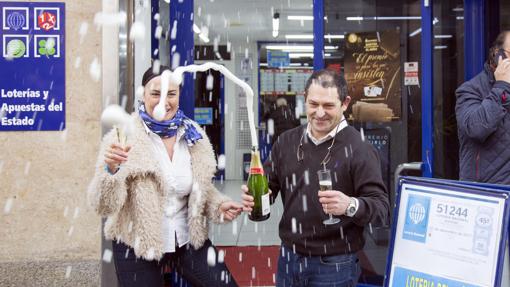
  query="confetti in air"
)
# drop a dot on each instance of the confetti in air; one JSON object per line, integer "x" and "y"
{"x": 76, "y": 212}
{"x": 68, "y": 271}
{"x": 209, "y": 83}
{"x": 110, "y": 19}
{"x": 77, "y": 62}
{"x": 84, "y": 27}
{"x": 234, "y": 227}
{"x": 221, "y": 162}
{"x": 173, "y": 32}
{"x": 158, "y": 32}
{"x": 221, "y": 256}
{"x": 211, "y": 257}
{"x": 156, "y": 66}
{"x": 270, "y": 127}
{"x": 137, "y": 32}
{"x": 95, "y": 70}
{"x": 107, "y": 255}
{"x": 139, "y": 93}
{"x": 176, "y": 58}
{"x": 293, "y": 223}
{"x": 70, "y": 232}
{"x": 27, "y": 167}
{"x": 305, "y": 203}
{"x": 8, "y": 205}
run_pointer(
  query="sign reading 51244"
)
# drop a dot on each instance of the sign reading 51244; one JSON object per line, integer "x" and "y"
{"x": 451, "y": 210}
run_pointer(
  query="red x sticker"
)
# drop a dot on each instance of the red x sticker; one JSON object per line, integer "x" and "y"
{"x": 46, "y": 21}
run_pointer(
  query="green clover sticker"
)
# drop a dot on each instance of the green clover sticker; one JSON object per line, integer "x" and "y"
{"x": 47, "y": 47}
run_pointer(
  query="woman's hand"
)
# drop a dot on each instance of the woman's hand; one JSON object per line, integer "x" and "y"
{"x": 230, "y": 210}
{"x": 116, "y": 155}
{"x": 248, "y": 201}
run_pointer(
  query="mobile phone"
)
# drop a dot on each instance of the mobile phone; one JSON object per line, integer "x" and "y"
{"x": 501, "y": 53}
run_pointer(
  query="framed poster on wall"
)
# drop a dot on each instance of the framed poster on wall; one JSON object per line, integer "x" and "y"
{"x": 373, "y": 75}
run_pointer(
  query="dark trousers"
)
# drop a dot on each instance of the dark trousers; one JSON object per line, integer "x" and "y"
{"x": 189, "y": 263}
{"x": 296, "y": 270}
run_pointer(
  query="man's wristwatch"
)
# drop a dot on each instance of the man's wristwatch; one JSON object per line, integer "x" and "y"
{"x": 352, "y": 207}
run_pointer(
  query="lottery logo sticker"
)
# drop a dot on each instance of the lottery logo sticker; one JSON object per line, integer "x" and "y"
{"x": 15, "y": 18}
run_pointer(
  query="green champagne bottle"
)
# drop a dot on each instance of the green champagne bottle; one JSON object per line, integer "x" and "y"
{"x": 257, "y": 185}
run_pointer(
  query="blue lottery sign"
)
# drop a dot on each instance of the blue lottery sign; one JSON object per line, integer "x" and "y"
{"x": 278, "y": 59}
{"x": 204, "y": 116}
{"x": 32, "y": 57}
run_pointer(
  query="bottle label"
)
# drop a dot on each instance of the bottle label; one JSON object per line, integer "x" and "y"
{"x": 257, "y": 170}
{"x": 266, "y": 206}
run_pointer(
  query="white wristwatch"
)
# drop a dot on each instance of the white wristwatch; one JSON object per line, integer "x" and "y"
{"x": 352, "y": 207}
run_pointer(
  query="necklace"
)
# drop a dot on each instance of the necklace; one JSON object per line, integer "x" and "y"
{"x": 301, "y": 155}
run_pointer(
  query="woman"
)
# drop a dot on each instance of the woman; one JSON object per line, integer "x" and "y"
{"x": 158, "y": 197}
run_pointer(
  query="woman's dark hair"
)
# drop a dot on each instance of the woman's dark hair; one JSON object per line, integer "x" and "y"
{"x": 328, "y": 79}
{"x": 493, "y": 51}
{"x": 149, "y": 74}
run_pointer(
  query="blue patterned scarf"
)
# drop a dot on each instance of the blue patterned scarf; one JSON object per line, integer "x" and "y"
{"x": 168, "y": 129}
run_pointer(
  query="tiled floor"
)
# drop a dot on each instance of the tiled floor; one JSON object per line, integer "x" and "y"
{"x": 264, "y": 235}
{"x": 255, "y": 265}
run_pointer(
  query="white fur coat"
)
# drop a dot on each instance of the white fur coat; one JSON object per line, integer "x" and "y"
{"x": 133, "y": 198}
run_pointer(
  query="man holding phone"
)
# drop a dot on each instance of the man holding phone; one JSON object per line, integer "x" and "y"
{"x": 483, "y": 119}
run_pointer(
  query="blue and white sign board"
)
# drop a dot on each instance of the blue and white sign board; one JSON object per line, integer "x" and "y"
{"x": 204, "y": 116}
{"x": 32, "y": 61}
{"x": 448, "y": 234}
{"x": 277, "y": 59}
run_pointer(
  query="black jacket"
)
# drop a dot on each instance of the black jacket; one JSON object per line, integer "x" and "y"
{"x": 484, "y": 129}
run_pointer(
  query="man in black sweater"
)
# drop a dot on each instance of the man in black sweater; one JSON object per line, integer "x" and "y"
{"x": 312, "y": 253}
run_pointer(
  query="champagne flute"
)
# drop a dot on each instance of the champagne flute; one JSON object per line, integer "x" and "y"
{"x": 325, "y": 183}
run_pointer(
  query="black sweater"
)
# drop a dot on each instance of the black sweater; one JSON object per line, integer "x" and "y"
{"x": 356, "y": 171}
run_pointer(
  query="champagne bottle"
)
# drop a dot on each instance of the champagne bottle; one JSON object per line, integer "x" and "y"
{"x": 258, "y": 188}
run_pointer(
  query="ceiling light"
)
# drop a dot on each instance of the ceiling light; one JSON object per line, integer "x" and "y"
{"x": 305, "y": 55}
{"x": 310, "y": 36}
{"x": 334, "y": 36}
{"x": 297, "y": 47}
{"x": 418, "y": 31}
{"x": 354, "y": 18}
{"x": 360, "y": 18}
{"x": 276, "y": 24}
{"x": 299, "y": 36}
{"x": 443, "y": 36}
{"x": 300, "y": 18}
